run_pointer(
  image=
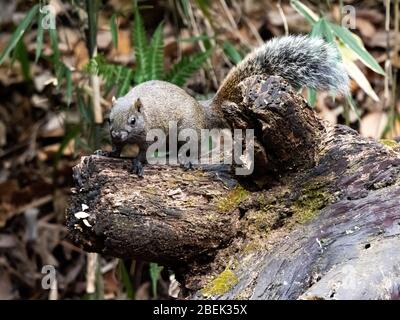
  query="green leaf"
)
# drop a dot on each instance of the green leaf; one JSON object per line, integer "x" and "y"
{"x": 114, "y": 30}
{"x": 68, "y": 80}
{"x": 118, "y": 76}
{"x": 204, "y": 6}
{"x": 85, "y": 109}
{"x": 184, "y": 69}
{"x": 92, "y": 8}
{"x": 140, "y": 44}
{"x": 21, "y": 54}
{"x": 312, "y": 97}
{"x": 125, "y": 85}
{"x": 155, "y": 55}
{"x": 125, "y": 279}
{"x": 60, "y": 73}
{"x": 155, "y": 271}
{"x": 231, "y": 52}
{"x": 185, "y": 7}
{"x": 39, "y": 38}
{"x": 19, "y": 32}
{"x": 348, "y": 39}
{"x": 323, "y": 30}
{"x": 202, "y": 37}
{"x": 353, "y": 106}
{"x": 54, "y": 46}
{"x": 72, "y": 133}
{"x": 306, "y": 12}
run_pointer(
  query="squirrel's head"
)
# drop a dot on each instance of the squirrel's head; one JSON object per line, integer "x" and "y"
{"x": 127, "y": 124}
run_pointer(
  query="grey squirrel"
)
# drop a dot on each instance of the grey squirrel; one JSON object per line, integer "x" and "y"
{"x": 300, "y": 60}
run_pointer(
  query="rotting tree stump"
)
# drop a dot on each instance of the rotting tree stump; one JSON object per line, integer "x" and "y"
{"x": 320, "y": 218}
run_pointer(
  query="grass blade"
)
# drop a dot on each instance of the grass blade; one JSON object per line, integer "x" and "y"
{"x": 322, "y": 29}
{"x": 21, "y": 54}
{"x": 39, "y": 38}
{"x": 19, "y": 32}
{"x": 114, "y": 30}
{"x": 92, "y": 7}
{"x": 304, "y": 11}
{"x": 54, "y": 46}
{"x": 68, "y": 79}
{"x": 125, "y": 279}
{"x": 231, "y": 52}
{"x": 155, "y": 271}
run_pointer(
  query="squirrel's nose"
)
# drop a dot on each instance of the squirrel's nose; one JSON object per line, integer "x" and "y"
{"x": 120, "y": 135}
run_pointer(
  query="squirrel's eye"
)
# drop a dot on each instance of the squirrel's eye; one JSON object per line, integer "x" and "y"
{"x": 132, "y": 121}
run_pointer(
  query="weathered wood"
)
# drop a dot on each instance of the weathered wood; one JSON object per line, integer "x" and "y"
{"x": 332, "y": 232}
{"x": 325, "y": 222}
{"x": 170, "y": 216}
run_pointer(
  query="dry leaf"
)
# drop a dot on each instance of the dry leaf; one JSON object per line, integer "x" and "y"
{"x": 54, "y": 127}
{"x": 355, "y": 73}
{"x": 81, "y": 54}
{"x": 373, "y": 124}
{"x": 365, "y": 27}
{"x": 103, "y": 39}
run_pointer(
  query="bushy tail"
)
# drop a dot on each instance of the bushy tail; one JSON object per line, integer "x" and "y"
{"x": 300, "y": 60}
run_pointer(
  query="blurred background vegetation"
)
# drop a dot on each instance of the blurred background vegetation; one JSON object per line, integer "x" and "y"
{"x": 56, "y": 84}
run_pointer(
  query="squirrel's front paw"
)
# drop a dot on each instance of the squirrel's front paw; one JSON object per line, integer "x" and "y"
{"x": 111, "y": 154}
{"x": 137, "y": 167}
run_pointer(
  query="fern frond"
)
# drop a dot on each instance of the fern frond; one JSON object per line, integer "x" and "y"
{"x": 155, "y": 55}
{"x": 140, "y": 44}
{"x": 184, "y": 69}
{"x": 126, "y": 75}
{"x": 118, "y": 76}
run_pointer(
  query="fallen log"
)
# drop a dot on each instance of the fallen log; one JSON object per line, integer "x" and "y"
{"x": 320, "y": 218}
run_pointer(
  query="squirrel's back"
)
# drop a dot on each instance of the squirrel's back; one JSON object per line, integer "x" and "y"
{"x": 300, "y": 60}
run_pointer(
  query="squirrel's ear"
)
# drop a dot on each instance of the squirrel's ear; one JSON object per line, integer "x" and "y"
{"x": 113, "y": 100}
{"x": 138, "y": 105}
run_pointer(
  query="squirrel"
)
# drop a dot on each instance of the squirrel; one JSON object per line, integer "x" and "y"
{"x": 300, "y": 60}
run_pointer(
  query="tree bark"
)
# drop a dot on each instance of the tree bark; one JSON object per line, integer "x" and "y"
{"x": 319, "y": 219}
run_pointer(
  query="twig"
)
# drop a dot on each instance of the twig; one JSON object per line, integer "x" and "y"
{"x": 201, "y": 44}
{"x": 92, "y": 260}
{"x": 89, "y": 91}
{"x": 396, "y": 62}
{"x": 34, "y": 204}
{"x": 387, "y": 62}
{"x": 389, "y": 101}
{"x": 254, "y": 31}
{"x": 234, "y": 24}
{"x": 95, "y": 84}
{"x": 282, "y": 14}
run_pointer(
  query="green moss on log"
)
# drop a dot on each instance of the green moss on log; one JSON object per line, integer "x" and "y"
{"x": 389, "y": 143}
{"x": 220, "y": 284}
{"x": 232, "y": 199}
{"x": 313, "y": 198}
